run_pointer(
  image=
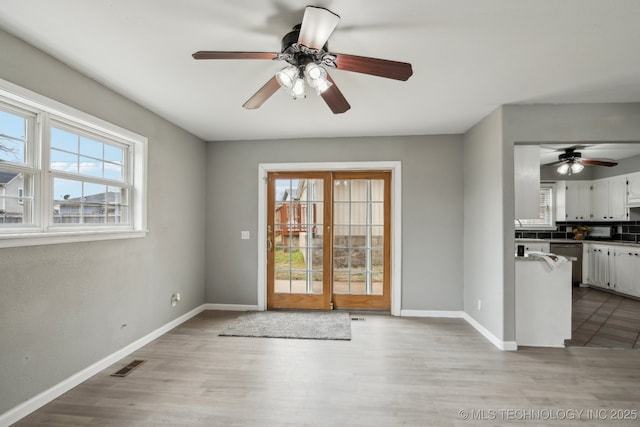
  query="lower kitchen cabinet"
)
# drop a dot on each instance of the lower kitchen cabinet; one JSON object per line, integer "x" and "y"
{"x": 612, "y": 267}
{"x": 596, "y": 265}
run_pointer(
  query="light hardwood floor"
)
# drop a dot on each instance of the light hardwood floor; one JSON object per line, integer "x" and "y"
{"x": 394, "y": 371}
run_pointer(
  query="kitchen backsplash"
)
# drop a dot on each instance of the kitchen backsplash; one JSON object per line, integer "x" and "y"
{"x": 627, "y": 231}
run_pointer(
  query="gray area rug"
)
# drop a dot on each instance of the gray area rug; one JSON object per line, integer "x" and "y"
{"x": 325, "y": 325}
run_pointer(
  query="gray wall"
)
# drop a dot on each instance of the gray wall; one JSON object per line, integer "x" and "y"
{"x": 483, "y": 223}
{"x": 432, "y": 211}
{"x": 558, "y": 123}
{"x": 63, "y": 307}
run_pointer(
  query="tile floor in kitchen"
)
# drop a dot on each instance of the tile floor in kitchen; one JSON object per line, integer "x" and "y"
{"x": 603, "y": 319}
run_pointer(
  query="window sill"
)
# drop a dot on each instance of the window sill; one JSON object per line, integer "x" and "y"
{"x": 58, "y": 237}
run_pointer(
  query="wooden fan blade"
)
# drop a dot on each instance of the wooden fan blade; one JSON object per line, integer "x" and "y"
{"x": 317, "y": 25}
{"x": 335, "y": 99}
{"x": 374, "y": 66}
{"x": 596, "y": 162}
{"x": 264, "y": 93}
{"x": 204, "y": 54}
{"x": 556, "y": 163}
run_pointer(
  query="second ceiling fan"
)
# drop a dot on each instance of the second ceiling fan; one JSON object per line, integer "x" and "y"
{"x": 571, "y": 161}
{"x": 306, "y": 51}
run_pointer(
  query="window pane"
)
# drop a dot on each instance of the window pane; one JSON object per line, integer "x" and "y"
{"x": 91, "y": 148}
{"x": 113, "y": 154}
{"x": 63, "y": 161}
{"x": 16, "y": 198}
{"x": 64, "y": 140}
{"x": 86, "y": 156}
{"x": 67, "y": 202}
{"x": 13, "y": 137}
{"x": 113, "y": 171}
{"x": 90, "y": 167}
{"x": 65, "y": 190}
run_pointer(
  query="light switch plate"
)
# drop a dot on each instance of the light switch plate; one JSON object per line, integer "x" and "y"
{"x": 245, "y": 235}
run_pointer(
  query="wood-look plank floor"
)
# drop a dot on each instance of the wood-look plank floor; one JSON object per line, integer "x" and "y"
{"x": 604, "y": 319}
{"x": 394, "y": 371}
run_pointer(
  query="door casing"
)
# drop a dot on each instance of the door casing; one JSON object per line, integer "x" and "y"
{"x": 396, "y": 217}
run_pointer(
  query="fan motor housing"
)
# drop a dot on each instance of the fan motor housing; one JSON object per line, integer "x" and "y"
{"x": 570, "y": 154}
{"x": 292, "y": 37}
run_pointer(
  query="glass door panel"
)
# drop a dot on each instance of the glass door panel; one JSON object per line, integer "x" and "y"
{"x": 361, "y": 217}
{"x": 296, "y": 256}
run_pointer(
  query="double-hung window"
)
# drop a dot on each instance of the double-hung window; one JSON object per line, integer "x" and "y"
{"x": 66, "y": 176}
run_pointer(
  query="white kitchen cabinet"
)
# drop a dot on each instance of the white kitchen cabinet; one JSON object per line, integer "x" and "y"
{"x": 633, "y": 189}
{"x": 578, "y": 201}
{"x": 623, "y": 269}
{"x": 587, "y": 263}
{"x": 612, "y": 267}
{"x": 598, "y": 265}
{"x": 609, "y": 199}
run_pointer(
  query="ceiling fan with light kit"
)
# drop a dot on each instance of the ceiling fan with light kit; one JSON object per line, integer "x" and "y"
{"x": 571, "y": 161}
{"x": 305, "y": 49}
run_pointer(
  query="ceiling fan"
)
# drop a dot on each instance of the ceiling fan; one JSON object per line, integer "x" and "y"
{"x": 571, "y": 161}
{"x": 306, "y": 51}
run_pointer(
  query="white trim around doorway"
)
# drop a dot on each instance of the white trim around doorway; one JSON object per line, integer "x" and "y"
{"x": 396, "y": 219}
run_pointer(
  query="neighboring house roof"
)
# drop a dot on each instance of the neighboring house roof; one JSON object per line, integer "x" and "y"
{"x": 7, "y": 177}
{"x": 112, "y": 197}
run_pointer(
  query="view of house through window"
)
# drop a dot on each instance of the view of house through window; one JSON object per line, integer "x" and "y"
{"x": 16, "y": 175}
{"x": 88, "y": 183}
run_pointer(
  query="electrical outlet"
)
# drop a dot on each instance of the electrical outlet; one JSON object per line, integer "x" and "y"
{"x": 175, "y": 299}
{"x": 245, "y": 235}
{"x": 479, "y": 304}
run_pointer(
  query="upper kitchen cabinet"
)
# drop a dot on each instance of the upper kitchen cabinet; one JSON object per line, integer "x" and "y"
{"x": 633, "y": 189}
{"x": 609, "y": 199}
{"x": 526, "y": 163}
{"x": 577, "y": 201}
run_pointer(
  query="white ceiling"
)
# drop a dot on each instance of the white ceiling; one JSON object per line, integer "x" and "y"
{"x": 468, "y": 56}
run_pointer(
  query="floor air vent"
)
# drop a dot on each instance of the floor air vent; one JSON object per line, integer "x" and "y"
{"x": 357, "y": 318}
{"x": 127, "y": 369}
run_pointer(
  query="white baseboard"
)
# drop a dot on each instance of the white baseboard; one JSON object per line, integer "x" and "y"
{"x": 452, "y": 314}
{"x": 231, "y": 307}
{"x": 15, "y": 414}
{"x": 502, "y": 345}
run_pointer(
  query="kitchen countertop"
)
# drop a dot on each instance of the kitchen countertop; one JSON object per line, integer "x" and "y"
{"x": 602, "y": 242}
{"x": 535, "y": 258}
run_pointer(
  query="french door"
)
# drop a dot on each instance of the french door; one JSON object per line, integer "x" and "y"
{"x": 328, "y": 240}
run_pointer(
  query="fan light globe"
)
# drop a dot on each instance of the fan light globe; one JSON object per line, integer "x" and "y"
{"x": 316, "y": 77}
{"x": 576, "y": 167}
{"x": 297, "y": 91}
{"x": 563, "y": 168}
{"x": 313, "y": 71}
{"x": 287, "y": 77}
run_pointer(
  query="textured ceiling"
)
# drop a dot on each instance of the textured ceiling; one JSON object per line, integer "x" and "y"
{"x": 468, "y": 56}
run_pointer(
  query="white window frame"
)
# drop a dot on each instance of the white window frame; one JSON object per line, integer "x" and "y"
{"x": 43, "y": 230}
{"x": 525, "y": 224}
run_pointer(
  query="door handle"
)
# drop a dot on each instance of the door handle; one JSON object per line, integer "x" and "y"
{"x": 269, "y": 244}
